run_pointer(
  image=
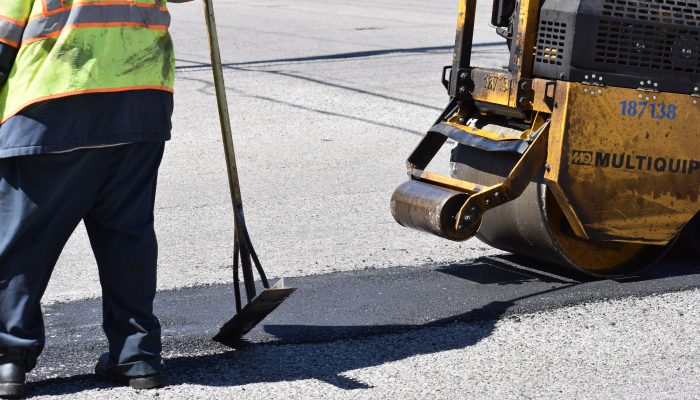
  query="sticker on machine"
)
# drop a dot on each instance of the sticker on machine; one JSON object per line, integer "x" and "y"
{"x": 634, "y": 162}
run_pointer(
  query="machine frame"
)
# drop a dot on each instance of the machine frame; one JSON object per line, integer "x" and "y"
{"x": 645, "y": 196}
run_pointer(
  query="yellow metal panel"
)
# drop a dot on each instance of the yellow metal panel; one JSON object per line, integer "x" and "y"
{"x": 627, "y": 161}
{"x": 524, "y": 42}
{"x": 448, "y": 182}
{"x": 492, "y": 85}
{"x": 544, "y": 92}
{"x": 462, "y": 15}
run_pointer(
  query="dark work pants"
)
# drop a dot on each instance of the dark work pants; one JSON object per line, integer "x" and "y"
{"x": 42, "y": 200}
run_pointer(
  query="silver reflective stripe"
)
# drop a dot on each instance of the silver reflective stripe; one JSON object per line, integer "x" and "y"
{"x": 94, "y": 13}
{"x": 10, "y": 32}
{"x": 50, "y": 5}
{"x": 89, "y": 147}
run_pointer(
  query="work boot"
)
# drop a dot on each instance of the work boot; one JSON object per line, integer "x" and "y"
{"x": 12, "y": 377}
{"x": 108, "y": 369}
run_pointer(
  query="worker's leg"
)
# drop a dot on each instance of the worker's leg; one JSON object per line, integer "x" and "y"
{"x": 42, "y": 199}
{"x": 120, "y": 227}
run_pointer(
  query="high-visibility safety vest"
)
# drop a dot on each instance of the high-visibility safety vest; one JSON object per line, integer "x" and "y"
{"x": 69, "y": 47}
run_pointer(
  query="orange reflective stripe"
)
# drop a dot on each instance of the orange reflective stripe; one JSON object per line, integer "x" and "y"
{"x": 95, "y": 15}
{"x": 76, "y": 92}
{"x": 13, "y": 21}
{"x": 9, "y": 43}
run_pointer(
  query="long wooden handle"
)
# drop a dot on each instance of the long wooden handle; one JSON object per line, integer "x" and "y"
{"x": 243, "y": 245}
{"x": 224, "y": 116}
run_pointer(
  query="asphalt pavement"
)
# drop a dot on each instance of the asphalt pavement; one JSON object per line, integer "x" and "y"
{"x": 341, "y": 309}
{"x": 328, "y": 98}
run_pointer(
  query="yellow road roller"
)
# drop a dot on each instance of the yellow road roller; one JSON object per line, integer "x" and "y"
{"x": 582, "y": 152}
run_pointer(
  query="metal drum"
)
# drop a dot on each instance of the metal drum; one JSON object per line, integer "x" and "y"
{"x": 534, "y": 225}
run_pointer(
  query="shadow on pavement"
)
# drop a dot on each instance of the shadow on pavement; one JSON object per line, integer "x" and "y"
{"x": 327, "y": 362}
{"x": 524, "y": 286}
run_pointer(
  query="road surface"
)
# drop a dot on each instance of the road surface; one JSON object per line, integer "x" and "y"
{"x": 328, "y": 99}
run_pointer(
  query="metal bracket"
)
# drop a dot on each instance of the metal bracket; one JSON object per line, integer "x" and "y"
{"x": 643, "y": 86}
{"x": 464, "y": 85}
{"x": 514, "y": 184}
{"x": 550, "y": 92}
{"x": 445, "y": 74}
{"x": 525, "y": 93}
{"x": 431, "y": 143}
{"x": 480, "y": 198}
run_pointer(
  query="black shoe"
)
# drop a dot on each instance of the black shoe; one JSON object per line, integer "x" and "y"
{"x": 106, "y": 368}
{"x": 12, "y": 377}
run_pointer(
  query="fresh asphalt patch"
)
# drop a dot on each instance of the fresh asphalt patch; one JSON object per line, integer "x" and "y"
{"x": 353, "y": 305}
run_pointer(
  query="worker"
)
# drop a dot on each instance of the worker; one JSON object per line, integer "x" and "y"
{"x": 85, "y": 108}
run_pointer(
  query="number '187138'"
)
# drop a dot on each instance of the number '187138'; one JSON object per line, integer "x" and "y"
{"x": 640, "y": 109}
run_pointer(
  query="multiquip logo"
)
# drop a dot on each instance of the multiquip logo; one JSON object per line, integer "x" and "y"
{"x": 633, "y": 162}
{"x": 582, "y": 157}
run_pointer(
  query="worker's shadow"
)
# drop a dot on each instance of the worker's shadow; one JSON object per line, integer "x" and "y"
{"x": 331, "y": 362}
{"x": 349, "y": 349}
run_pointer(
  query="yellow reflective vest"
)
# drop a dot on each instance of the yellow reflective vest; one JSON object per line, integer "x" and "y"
{"x": 69, "y": 47}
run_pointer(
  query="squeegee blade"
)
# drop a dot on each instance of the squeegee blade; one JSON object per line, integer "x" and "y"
{"x": 252, "y": 314}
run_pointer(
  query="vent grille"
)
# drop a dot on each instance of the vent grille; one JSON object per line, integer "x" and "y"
{"x": 676, "y": 12}
{"x": 648, "y": 46}
{"x": 551, "y": 39}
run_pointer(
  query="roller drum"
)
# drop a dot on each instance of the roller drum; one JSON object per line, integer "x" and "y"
{"x": 431, "y": 209}
{"x": 534, "y": 225}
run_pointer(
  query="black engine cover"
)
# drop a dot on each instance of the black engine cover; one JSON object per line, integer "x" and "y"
{"x": 653, "y": 44}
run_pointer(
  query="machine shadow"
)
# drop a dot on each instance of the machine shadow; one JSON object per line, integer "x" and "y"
{"x": 676, "y": 263}
{"x": 331, "y": 362}
{"x": 372, "y": 346}
{"x": 509, "y": 269}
